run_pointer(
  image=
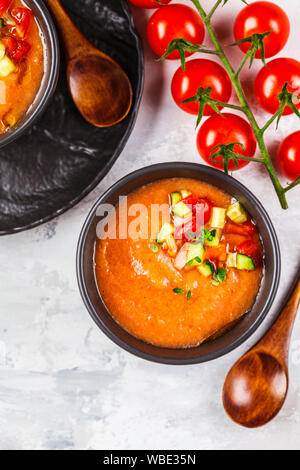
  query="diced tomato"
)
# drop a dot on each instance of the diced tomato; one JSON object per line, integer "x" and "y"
{"x": 16, "y": 49}
{"x": 183, "y": 231}
{"x": 216, "y": 252}
{"x": 201, "y": 208}
{"x": 4, "y": 4}
{"x": 246, "y": 229}
{"x": 23, "y": 18}
{"x": 252, "y": 250}
{"x": 233, "y": 240}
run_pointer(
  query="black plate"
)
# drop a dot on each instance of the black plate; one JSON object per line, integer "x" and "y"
{"x": 62, "y": 158}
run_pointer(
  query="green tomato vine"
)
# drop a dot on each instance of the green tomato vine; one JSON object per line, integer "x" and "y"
{"x": 203, "y": 96}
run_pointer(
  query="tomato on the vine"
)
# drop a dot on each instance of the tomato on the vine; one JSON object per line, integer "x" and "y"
{"x": 261, "y": 17}
{"x": 226, "y": 129}
{"x": 200, "y": 73}
{"x": 270, "y": 81}
{"x": 149, "y": 3}
{"x": 174, "y": 22}
{"x": 288, "y": 157}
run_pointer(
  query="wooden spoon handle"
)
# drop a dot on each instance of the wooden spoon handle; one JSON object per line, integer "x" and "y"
{"x": 74, "y": 41}
{"x": 277, "y": 340}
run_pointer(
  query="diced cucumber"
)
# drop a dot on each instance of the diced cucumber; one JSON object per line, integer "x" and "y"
{"x": 172, "y": 247}
{"x": 6, "y": 66}
{"x": 212, "y": 238}
{"x": 218, "y": 217}
{"x": 237, "y": 213}
{"x": 231, "y": 260}
{"x": 185, "y": 193}
{"x": 244, "y": 262}
{"x": 165, "y": 232}
{"x": 206, "y": 269}
{"x": 181, "y": 210}
{"x": 195, "y": 254}
{"x": 175, "y": 198}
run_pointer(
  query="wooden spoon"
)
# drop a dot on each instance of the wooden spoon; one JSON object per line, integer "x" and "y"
{"x": 256, "y": 387}
{"x": 99, "y": 86}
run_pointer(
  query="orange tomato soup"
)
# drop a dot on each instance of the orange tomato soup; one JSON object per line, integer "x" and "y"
{"x": 21, "y": 63}
{"x": 138, "y": 283}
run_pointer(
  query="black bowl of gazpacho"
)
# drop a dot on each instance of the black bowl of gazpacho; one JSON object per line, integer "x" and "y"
{"x": 178, "y": 263}
{"x": 29, "y": 65}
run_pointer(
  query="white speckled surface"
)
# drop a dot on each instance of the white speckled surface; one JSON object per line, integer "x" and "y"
{"x": 63, "y": 384}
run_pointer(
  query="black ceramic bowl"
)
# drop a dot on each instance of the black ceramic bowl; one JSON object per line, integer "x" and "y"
{"x": 211, "y": 349}
{"x": 51, "y": 72}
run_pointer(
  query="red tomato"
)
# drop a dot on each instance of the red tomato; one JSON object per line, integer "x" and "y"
{"x": 200, "y": 73}
{"x": 261, "y": 17}
{"x": 4, "y": 4}
{"x": 251, "y": 249}
{"x": 270, "y": 81}
{"x": 182, "y": 232}
{"x": 174, "y": 22}
{"x": 17, "y": 49}
{"x": 226, "y": 130}
{"x": 246, "y": 229}
{"x": 149, "y": 3}
{"x": 23, "y": 17}
{"x": 201, "y": 208}
{"x": 288, "y": 157}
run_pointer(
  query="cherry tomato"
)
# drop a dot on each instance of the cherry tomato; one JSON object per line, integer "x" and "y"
{"x": 200, "y": 73}
{"x": 4, "y": 5}
{"x": 288, "y": 157}
{"x": 149, "y": 3}
{"x": 17, "y": 49}
{"x": 226, "y": 130}
{"x": 270, "y": 81}
{"x": 245, "y": 229}
{"x": 174, "y": 22}
{"x": 251, "y": 249}
{"x": 261, "y": 17}
{"x": 23, "y": 18}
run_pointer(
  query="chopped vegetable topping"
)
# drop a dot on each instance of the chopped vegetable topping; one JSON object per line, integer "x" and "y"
{"x": 218, "y": 217}
{"x": 205, "y": 246}
{"x": 189, "y": 295}
{"x": 237, "y": 213}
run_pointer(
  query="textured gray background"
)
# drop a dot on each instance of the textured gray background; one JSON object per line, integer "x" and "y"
{"x": 63, "y": 384}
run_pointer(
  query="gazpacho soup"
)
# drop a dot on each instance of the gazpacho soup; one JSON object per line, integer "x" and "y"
{"x": 188, "y": 266}
{"x": 21, "y": 61}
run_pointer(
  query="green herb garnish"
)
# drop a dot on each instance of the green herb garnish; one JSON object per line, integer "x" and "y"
{"x": 177, "y": 290}
{"x": 2, "y": 23}
{"x": 189, "y": 295}
{"x": 154, "y": 248}
{"x": 219, "y": 276}
{"x": 197, "y": 259}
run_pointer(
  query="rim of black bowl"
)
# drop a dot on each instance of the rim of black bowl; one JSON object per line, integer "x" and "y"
{"x": 53, "y": 77}
{"x": 156, "y": 358}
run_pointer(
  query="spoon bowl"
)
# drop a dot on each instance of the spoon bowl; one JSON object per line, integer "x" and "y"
{"x": 256, "y": 387}
{"x": 99, "y": 87}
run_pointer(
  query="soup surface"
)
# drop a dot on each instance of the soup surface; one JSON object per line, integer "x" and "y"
{"x": 21, "y": 61}
{"x": 177, "y": 290}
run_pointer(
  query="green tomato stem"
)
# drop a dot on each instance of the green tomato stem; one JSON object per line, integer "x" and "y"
{"x": 245, "y": 107}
